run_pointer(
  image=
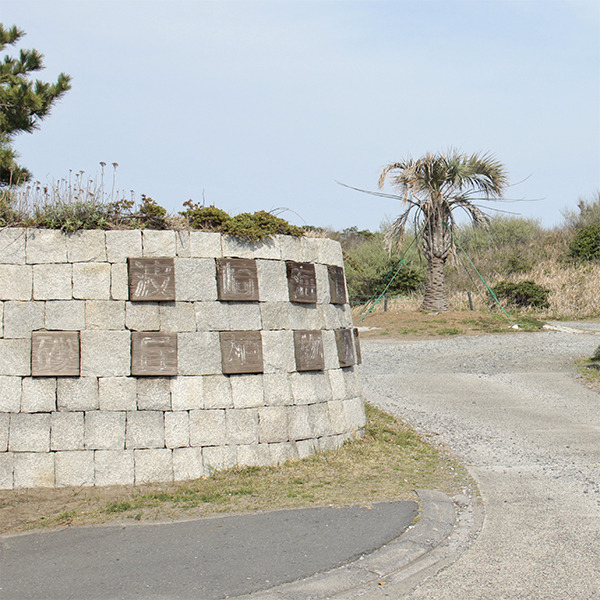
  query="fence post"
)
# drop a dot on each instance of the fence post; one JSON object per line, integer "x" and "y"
{"x": 385, "y": 299}
{"x": 470, "y": 301}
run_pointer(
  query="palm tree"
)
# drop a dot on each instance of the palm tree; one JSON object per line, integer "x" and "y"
{"x": 432, "y": 188}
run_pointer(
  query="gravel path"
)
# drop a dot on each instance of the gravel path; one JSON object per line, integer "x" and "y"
{"x": 513, "y": 410}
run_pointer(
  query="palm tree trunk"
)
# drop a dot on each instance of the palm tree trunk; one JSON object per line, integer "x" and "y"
{"x": 435, "y": 291}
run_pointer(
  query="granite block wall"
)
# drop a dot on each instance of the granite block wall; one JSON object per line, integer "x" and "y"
{"x": 125, "y": 359}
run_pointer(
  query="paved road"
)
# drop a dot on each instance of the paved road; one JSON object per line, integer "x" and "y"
{"x": 529, "y": 431}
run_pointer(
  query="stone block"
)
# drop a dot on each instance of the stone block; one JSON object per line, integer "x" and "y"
{"x": 46, "y": 246}
{"x": 177, "y": 429}
{"x": 254, "y": 455}
{"x": 114, "y": 467}
{"x": 12, "y": 245}
{"x": 299, "y": 316}
{"x": 16, "y": 282}
{"x": 277, "y": 389}
{"x": 86, "y": 246}
{"x": 187, "y": 393}
{"x": 53, "y": 282}
{"x": 306, "y": 448}
{"x": 158, "y": 243}
{"x": 310, "y": 249}
{"x": 323, "y": 293}
{"x": 6, "y": 471}
{"x": 217, "y": 392}
{"x": 205, "y": 244}
{"x": 291, "y": 247}
{"x": 196, "y": 279}
{"x": 247, "y": 391}
{"x": 117, "y": 393}
{"x": 4, "y": 431}
{"x": 29, "y": 433}
{"x": 330, "y": 349}
{"x": 199, "y": 353}
{"x": 242, "y": 426}
{"x": 153, "y": 393}
{"x": 74, "y": 468}
{"x": 119, "y": 281}
{"x": 338, "y": 384}
{"x": 67, "y": 431}
{"x": 239, "y": 248}
{"x": 10, "y": 394}
{"x": 272, "y": 281}
{"x": 177, "y": 316}
{"x": 272, "y": 424}
{"x": 337, "y": 416}
{"x": 33, "y": 470}
{"x": 329, "y": 442}
{"x": 105, "y": 353}
{"x": 344, "y": 315}
{"x": 322, "y": 386}
{"x": 120, "y": 245}
{"x": 188, "y": 464}
{"x": 319, "y": 419}
{"x": 21, "y": 318}
{"x": 105, "y": 314}
{"x": 278, "y": 351}
{"x": 207, "y": 428}
{"x": 91, "y": 281}
{"x": 352, "y": 382}
{"x": 142, "y": 316}
{"x": 74, "y": 394}
{"x": 282, "y": 452}
{"x": 303, "y": 388}
{"x": 15, "y": 356}
{"x": 217, "y": 458}
{"x": 105, "y": 430}
{"x": 355, "y": 413}
{"x": 331, "y": 315}
{"x": 329, "y": 252}
{"x": 1, "y": 319}
{"x": 299, "y": 423}
{"x": 65, "y": 315}
{"x": 212, "y": 316}
{"x": 38, "y": 395}
{"x": 244, "y": 316}
{"x": 145, "y": 429}
{"x": 275, "y": 315}
{"x": 154, "y": 465}
{"x": 182, "y": 244}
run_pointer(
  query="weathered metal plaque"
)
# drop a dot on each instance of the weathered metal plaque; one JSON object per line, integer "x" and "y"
{"x": 345, "y": 346}
{"x": 357, "y": 347}
{"x": 153, "y": 354}
{"x": 237, "y": 279}
{"x": 337, "y": 284}
{"x": 55, "y": 354}
{"x": 151, "y": 279}
{"x": 309, "y": 350}
{"x": 302, "y": 282}
{"x": 241, "y": 352}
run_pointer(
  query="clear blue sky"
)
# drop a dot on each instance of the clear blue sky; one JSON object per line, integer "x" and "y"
{"x": 265, "y": 104}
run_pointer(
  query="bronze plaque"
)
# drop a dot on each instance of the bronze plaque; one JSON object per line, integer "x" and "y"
{"x": 357, "y": 347}
{"x": 241, "y": 352}
{"x": 345, "y": 346}
{"x": 302, "y": 282}
{"x": 337, "y": 284}
{"x": 153, "y": 354}
{"x": 55, "y": 354}
{"x": 151, "y": 279}
{"x": 309, "y": 350}
{"x": 237, "y": 279}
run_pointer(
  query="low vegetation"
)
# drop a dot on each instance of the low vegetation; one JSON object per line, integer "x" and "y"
{"x": 589, "y": 369}
{"x": 388, "y": 463}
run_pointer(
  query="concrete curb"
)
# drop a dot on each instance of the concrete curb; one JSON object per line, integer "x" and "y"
{"x": 400, "y": 560}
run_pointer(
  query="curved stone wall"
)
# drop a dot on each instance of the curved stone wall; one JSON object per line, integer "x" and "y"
{"x": 135, "y": 356}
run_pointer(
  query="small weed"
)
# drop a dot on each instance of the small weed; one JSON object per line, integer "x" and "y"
{"x": 117, "y": 507}
{"x": 449, "y": 331}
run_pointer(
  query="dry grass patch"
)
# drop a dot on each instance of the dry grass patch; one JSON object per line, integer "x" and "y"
{"x": 388, "y": 463}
